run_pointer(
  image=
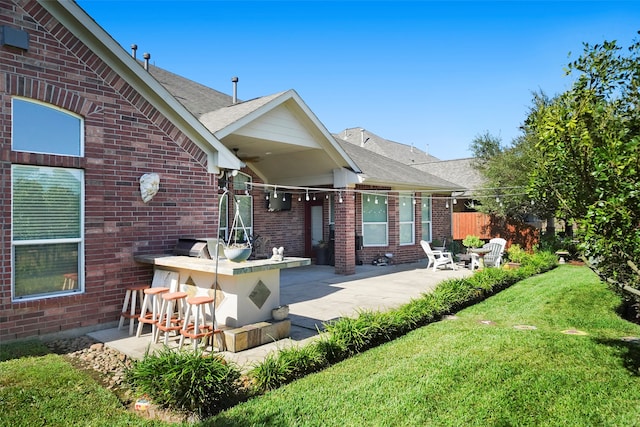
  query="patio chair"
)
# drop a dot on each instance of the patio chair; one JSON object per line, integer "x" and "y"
{"x": 437, "y": 258}
{"x": 493, "y": 258}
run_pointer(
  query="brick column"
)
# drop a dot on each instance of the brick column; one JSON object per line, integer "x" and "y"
{"x": 345, "y": 234}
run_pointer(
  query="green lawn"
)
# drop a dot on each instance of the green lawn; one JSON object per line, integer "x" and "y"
{"x": 476, "y": 370}
{"x": 467, "y": 372}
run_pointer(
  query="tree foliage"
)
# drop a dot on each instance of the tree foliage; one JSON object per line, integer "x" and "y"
{"x": 587, "y": 141}
{"x": 506, "y": 171}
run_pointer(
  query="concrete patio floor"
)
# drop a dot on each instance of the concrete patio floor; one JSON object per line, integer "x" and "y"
{"x": 315, "y": 294}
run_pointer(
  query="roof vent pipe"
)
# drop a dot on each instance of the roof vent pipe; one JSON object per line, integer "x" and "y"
{"x": 146, "y": 57}
{"x": 361, "y": 137}
{"x": 234, "y": 80}
{"x": 134, "y": 48}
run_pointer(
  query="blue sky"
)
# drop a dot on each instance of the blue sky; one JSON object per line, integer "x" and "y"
{"x": 424, "y": 73}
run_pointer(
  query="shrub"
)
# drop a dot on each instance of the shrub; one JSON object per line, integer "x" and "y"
{"x": 273, "y": 372}
{"x": 472, "y": 241}
{"x": 186, "y": 381}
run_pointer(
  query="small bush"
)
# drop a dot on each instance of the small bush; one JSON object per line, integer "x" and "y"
{"x": 273, "y": 372}
{"x": 186, "y": 381}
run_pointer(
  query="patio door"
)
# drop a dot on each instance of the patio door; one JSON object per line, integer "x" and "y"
{"x": 313, "y": 225}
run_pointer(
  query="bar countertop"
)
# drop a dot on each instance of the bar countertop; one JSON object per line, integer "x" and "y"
{"x": 225, "y": 267}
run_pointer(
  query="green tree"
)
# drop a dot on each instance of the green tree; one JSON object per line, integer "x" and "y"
{"x": 588, "y": 142}
{"x": 506, "y": 171}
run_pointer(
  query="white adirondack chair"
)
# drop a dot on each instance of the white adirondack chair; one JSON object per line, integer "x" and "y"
{"x": 437, "y": 258}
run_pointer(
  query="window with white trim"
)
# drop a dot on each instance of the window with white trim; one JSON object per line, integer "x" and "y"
{"x": 47, "y": 210}
{"x": 224, "y": 215}
{"x": 407, "y": 219}
{"x": 426, "y": 217}
{"x": 47, "y": 231}
{"x": 42, "y": 128}
{"x": 375, "y": 222}
{"x": 244, "y": 202}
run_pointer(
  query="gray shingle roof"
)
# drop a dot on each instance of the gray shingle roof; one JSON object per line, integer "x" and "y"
{"x": 223, "y": 117}
{"x": 196, "y": 98}
{"x": 382, "y": 170}
{"x": 403, "y": 153}
{"x": 459, "y": 171}
{"x": 383, "y": 162}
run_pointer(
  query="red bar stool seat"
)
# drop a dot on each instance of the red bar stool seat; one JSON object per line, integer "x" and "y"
{"x": 135, "y": 294}
{"x": 199, "y": 329}
{"x": 150, "y": 309}
{"x": 171, "y": 315}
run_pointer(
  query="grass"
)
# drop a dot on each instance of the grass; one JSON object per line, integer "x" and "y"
{"x": 47, "y": 390}
{"x": 450, "y": 373}
{"x": 468, "y": 372}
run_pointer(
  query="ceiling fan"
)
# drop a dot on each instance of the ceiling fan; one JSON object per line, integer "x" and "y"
{"x": 248, "y": 159}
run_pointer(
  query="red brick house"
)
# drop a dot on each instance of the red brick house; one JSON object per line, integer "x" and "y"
{"x": 82, "y": 121}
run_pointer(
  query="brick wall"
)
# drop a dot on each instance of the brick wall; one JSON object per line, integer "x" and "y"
{"x": 125, "y": 138}
{"x": 441, "y": 225}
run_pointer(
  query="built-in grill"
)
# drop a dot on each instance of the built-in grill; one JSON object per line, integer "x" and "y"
{"x": 193, "y": 247}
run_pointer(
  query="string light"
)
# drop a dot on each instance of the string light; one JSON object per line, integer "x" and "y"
{"x": 386, "y": 194}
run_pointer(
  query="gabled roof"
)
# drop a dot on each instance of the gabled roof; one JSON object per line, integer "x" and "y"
{"x": 78, "y": 22}
{"x": 277, "y": 136}
{"x": 403, "y": 153}
{"x": 382, "y": 171}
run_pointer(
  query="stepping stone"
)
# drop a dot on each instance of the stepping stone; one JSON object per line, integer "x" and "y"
{"x": 487, "y": 322}
{"x": 632, "y": 340}
{"x": 574, "y": 332}
{"x": 525, "y": 327}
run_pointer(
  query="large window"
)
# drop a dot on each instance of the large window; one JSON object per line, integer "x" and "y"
{"x": 375, "y": 221}
{"x": 426, "y": 217}
{"x": 244, "y": 203}
{"x": 47, "y": 225}
{"x": 407, "y": 219}
{"x": 47, "y": 221}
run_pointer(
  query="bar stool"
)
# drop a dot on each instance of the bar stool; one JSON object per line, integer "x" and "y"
{"x": 131, "y": 312}
{"x": 70, "y": 280}
{"x": 199, "y": 328}
{"x": 171, "y": 315}
{"x": 150, "y": 309}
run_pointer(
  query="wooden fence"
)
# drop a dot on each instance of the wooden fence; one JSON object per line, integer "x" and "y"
{"x": 487, "y": 227}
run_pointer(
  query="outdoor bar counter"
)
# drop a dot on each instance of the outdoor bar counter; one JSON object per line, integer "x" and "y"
{"x": 247, "y": 291}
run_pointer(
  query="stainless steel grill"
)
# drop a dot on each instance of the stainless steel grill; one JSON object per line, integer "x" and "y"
{"x": 192, "y": 247}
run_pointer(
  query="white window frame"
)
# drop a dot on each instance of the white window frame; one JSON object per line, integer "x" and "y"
{"x": 67, "y": 287}
{"x": 239, "y": 193}
{"x": 52, "y": 109}
{"x": 406, "y": 201}
{"x": 39, "y": 243}
{"x": 426, "y": 201}
{"x": 382, "y": 201}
